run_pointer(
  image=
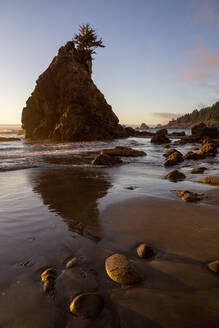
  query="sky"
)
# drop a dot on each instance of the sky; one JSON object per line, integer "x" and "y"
{"x": 161, "y": 58}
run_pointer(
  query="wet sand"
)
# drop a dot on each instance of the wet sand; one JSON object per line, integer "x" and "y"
{"x": 57, "y": 215}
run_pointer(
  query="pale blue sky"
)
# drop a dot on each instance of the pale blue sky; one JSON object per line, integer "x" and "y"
{"x": 161, "y": 56}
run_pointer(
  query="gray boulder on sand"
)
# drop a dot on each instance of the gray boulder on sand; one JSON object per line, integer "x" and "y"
{"x": 120, "y": 270}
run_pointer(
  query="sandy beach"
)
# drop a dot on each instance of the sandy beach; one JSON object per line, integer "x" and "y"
{"x": 51, "y": 225}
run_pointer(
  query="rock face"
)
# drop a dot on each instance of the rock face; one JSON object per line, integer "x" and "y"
{"x": 66, "y": 105}
{"x": 120, "y": 270}
{"x": 202, "y": 130}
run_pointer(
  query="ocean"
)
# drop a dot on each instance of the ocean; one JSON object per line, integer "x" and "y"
{"x": 52, "y": 205}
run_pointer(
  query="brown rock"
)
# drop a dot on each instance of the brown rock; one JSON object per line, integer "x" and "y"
{"x": 188, "y": 196}
{"x": 193, "y": 156}
{"x": 198, "y": 170}
{"x": 170, "y": 152}
{"x": 175, "y": 176}
{"x": 49, "y": 273}
{"x": 104, "y": 159}
{"x": 87, "y": 305}
{"x": 202, "y": 130}
{"x": 208, "y": 149}
{"x": 66, "y": 105}
{"x": 214, "y": 266}
{"x": 174, "y": 159}
{"x": 123, "y": 151}
{"x": 167, "y": 146}
{"x": 3, "y": 139}
{"x": 160, "y": 139}
{"x": 214, "y": 181}
{"x": 144, "y": 251}
{"x": 120, "y": 270}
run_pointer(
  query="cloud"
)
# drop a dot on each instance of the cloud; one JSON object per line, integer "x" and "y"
{"x": 202, "y": 69}
{"x": 193, "y": 76}
{"x": 167, "y": 116}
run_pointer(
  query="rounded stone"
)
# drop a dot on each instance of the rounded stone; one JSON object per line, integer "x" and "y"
{"x": 214, "y": 266}
{"x": 48, "y": 274}
{"x": 87, "y": 305}
{"x": 120, "y": 270}
{"x": 71, "y": 263}
{"x": 144, "y": 250}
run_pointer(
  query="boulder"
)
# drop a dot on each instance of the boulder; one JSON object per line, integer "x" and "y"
{"x": 71, "y": 263}
{"x": 198, "y": 170}
{"x": 167, "y": 146}
{"x": 120, "y": 270}
{"x": 48, "y": 278}
{"x": 171, "y": 151}
{"x": 87, "y": 305}
{"x": 160, "y": 139}
{"x": 145, "y": 251}
{"x": 202, "y": 130}
{"x": 214, "y": 266}
{"x": 105, "y": 159}
{"x": 123, "y": 151}
{"x": 66, "y": 105}
{"x": 214, "y": 181}
{"x": 162, "y": 132}
{"x": 193, "y": 156}
{"x": 177, "y": 134}
{"x": 188, "y": 196}
{"x": 174, "y": 159}
{"x": 208, "y": 149}
{"x": 175, "y": 176}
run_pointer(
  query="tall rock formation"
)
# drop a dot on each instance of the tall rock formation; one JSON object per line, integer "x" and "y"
{"x": 66, "y": 105}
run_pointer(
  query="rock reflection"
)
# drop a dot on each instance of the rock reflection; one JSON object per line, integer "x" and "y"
{"x": 74, "y": 194}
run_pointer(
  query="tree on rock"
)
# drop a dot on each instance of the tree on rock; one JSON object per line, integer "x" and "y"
{"x": 86, "y": 40}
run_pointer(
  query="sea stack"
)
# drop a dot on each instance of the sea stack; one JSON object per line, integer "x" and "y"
{"x": 66, "y": 105}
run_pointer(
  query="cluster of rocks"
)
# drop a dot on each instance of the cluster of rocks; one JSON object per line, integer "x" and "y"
{"x": 112, "y": 156}
{"x": 118, "y": 267}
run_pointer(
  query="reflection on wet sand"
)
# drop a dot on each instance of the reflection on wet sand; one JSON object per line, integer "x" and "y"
{"x": 73, "y": 194}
